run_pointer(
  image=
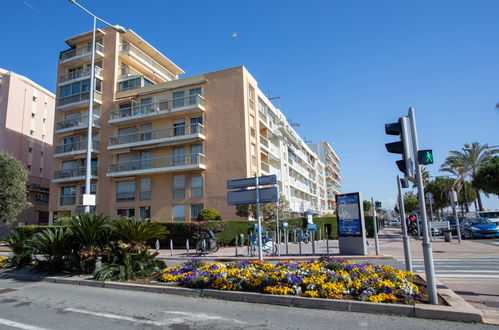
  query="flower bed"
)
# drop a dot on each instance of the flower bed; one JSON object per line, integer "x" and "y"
{"x": 3, "y": 261}
{"x": 324, "y": 278}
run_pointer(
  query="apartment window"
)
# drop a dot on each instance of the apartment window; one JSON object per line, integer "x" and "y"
{"x": 145, "y": 189}
{"x": 253, "y": 157}
{"x": 43, "y": 136}
{"x": 41, "y": 169}
{"x": 30, "y": 150}
{"x": 127, "y": 134}
{"x": 193, "y": 92}
{"x": 146, "y": 132}
{"x": 29, "y": 168}
{"x": 32, "y": 115}
{"x": 126, "y": 212}
{"x": 195, "y": 210}
{"x": 68, "y": 195}
{"x": 196, "y": 150}
{"x": 31, "y": 132}
{"x": 178, "y": 186}
{"x": 178, "y": 99}
{"x": 125, "y": 191}
{"x": 196, "y": 186}
{"x": 179, "y": 127}
{"x": 195, "y": 122}
{"x": 252, "y": 125}
{"x": 41, "y": 153}
{"x": 251, "y": 95}
{"x": 178, "y": 156}
{"x": 179, "y": 213}
{"x": 145, "y": 212}
{"x": 34, "y": 98}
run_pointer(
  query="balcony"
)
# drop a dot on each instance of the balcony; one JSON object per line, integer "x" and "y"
{"x": 67, "y": 200}
{"x": 81, "y": 54}
{"x": 73, "y": 174}
{"x": 75, "y": 101}
{"x": 265, "y": 167}
{"x": 143, "y": 62}
{"x": 76, "y": 148}
{"x": 76, "y": 124}
{"x": 81, "y": 74}
{"x": 164, "y": 137}
{"x": 158, "y": 165}
{"x": 165, "y": 108}
{"x": 264, "y": 143}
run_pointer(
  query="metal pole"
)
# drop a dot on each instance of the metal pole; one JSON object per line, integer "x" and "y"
{"x": 278, "y": 231}
{"x": 187, "y": 246}
{"x": 260, "y": 253}
{"x": 313, "y": 242}
{"x": 236, "y": 245}
{"x": 458, "y": 226}
{"x": 407, "y": 246}
{"x": 171, "y": 247}
{"x": 327, "y": 241}
{"x": 375, "y": 226}
{"x": 427, "y": 250}
{"x": 88, "y": 165}
{"x": 286, "y": 233}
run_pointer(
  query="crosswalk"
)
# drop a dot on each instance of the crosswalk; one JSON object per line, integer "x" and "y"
{"x": 487, "y": 267}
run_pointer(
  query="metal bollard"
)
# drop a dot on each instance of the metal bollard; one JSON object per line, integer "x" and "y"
{"x": 320, "y": 234}
{"x": 187, "y": 246}
{"x": 313, "y": 242}
{"x": 171, "y": 247}
{"x": 248, "y": 244}
{"x": 327, "y": 242}
{"x": 236, "y": 245}
{"x": 203, "y": 247}
{"x": 286, "y": 240}
{"x": 299, "y": 245}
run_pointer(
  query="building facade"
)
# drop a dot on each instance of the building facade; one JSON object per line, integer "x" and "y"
{"x": 165, "y": 146}
{"x": 26, "y": 128}
{"x": 331, "y": 171}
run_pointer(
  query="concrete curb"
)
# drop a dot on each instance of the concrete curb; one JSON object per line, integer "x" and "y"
{"x": 458, "y": 309}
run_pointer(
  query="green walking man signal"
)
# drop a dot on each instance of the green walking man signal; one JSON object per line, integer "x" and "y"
{"x": 425, "y": 157}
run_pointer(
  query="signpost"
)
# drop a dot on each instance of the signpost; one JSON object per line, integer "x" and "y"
{"x": 245, "y": 195}
{"x": 351, "y": 227}
{"x": 454, "y": 201}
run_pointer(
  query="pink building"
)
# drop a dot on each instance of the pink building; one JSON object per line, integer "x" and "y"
{"x": 26, "y": 130}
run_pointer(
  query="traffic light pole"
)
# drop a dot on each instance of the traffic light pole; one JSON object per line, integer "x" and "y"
{"x": 427, "y": 250}
{"x": 407, "y": 246}
{"x": 375, "y": 226}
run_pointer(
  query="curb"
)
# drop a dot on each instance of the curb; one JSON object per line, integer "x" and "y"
{"x": 458, "y": 309}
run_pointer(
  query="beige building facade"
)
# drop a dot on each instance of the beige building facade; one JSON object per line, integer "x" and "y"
{"x": 26, "y": 128}
{"x": 165, "y": 146}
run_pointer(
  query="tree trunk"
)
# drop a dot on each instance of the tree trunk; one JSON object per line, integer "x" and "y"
{"x": 466, "y": 202}
{"x": 479, "y": 198}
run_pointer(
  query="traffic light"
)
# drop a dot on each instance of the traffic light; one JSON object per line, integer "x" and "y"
{"x": 412, "y": 218}
{"x": 425, "y": 157}
{"x": 377, "y": 205}
{"x": 401, "y": 128}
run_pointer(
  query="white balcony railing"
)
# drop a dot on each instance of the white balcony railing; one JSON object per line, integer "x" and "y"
{"x": 264, "y": 142}
{"x": 265, "y": 167}
{"x": 163, "y": 133}
{"x": 160, "y": 107}
{"x": 76, "y": 146}
{"x": 68, "y": 54}
{"x": 157, "y": 163}
{"x": 82, "y": 73}
{"x": 73, "y": 173}
{"x": 127, "y": 48}
{"x": 76, "y": 122}
{"x": 76, "y": 98}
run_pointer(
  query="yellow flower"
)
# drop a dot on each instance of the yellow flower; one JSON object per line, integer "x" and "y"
{"x": 311, "y": 293}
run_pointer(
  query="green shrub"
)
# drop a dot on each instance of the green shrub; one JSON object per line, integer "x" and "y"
{"x": 55, "y": 244}
{"x": 30, "y": 230}
{"x": 209, "y": 214}
{"x": 22, "y": 253}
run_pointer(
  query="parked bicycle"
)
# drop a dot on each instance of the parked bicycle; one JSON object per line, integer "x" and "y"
{"x": 302, "y": 236}
{"x": 268, "y": 245}
{"x": 207, "y": 243}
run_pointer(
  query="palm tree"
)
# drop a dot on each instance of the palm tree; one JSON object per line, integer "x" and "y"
{"x": 468, "y": 161}
{"x": 457, "y": 167}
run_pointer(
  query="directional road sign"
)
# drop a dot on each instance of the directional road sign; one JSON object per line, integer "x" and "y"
{"x": 251, "y": 182}
{"x": 238, "y": 197}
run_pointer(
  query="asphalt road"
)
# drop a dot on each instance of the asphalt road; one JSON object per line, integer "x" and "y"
{"x": 40, "y": 305}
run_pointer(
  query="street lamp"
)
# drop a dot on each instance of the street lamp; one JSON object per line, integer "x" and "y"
{"x": 88, "y": 198}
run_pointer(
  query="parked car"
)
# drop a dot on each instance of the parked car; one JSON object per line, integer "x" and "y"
{"x": 493, "y": 216}
{"x": 453, "y": 224}
{"x": 478, "y": 227}
{"x": 393, "y": 222}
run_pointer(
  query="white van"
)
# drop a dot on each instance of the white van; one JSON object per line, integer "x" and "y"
{"x": 493, "y": 216}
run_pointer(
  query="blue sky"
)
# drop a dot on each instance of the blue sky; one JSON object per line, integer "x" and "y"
{"x": 342, "y": 68}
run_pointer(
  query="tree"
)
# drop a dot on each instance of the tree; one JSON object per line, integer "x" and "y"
{"x": 13, "y": 192}
{"x": 458, "y": 168}
{"x": 267, "y": 210}
{"x": 487, "y": 177}
{"x": 209, "y": 214}
{"x": 471, "y": 157}
{"x": 410, "y": 202}
{"x": 440, "y": 188}
{"x": 367, "y": 206}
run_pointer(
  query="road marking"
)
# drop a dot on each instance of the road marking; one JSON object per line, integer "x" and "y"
{"x": 466, "y": 275}
{"x": 20, "y": 325}
{"x": 115, "y": 317}
{"x": 203, "y": 316}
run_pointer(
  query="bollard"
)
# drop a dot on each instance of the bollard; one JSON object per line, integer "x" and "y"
{"x": 203, "y": 247}
{"x": 248, "y": 244}
{"x": 320, "y": 234}
{"x": 236, "y": 245}
{"x": 299, "y": 245}
{"x": 171, "y": 247}
{"x": 294, "y": 234}
{"x": 187, "y": 246}
{"x": 286, "y": 240}
{"x": 327, "y": 242}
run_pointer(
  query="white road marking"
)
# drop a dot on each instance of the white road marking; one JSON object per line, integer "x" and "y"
{"x": 185, "y": 317}
{"x": 115, "y": 317}
{"x": 20, "y": 325}
{"x": 467, "y": 275}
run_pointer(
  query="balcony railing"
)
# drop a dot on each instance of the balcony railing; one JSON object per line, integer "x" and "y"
{"x": 167, "y": 132}
{"x": 125, "y": 196}
{"x": 81, "y": 121}
{"x": 85, "y": 72}
{"x": 75, "y": 98}
{"x": 76, "y": 146}
{"x": 73, "y": 172}
{"x": 125, "y": 71}
{"x": 265, "y": 167}
{"x": 264, "y": 142}
{"x": 163, "y": 106}
{"x": 129, "y": 48}
{"x": 67, "y": 199}
{"x": 156, "y": 163}
{"x": 66, "y": 55}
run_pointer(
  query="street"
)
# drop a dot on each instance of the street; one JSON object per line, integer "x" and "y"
{"x": 40, "y": 305}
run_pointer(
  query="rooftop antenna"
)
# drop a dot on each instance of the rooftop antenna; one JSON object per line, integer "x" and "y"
{"x": 293, "y": 124}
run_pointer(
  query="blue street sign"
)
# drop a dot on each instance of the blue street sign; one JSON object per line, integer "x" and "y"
{"x": 251, "y": 182}
{"x": 312, "y": 227}
{"x": 238, "y": 197}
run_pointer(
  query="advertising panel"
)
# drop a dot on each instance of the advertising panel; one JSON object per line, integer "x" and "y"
{"x": 349, "y": 215}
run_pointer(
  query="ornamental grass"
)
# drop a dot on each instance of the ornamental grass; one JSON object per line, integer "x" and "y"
{"x": 323, "y": 278}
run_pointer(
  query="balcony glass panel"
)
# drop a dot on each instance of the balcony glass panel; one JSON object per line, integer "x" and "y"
{"x": 164, "y": 162}
{"x": 163, "y": 133}
{"x": 76, "y": 146}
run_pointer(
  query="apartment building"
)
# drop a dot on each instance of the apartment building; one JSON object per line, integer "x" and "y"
{"x": 331, "y": 169}
{"x": 165, "y": 146}
{"x": 26, "y": 128}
